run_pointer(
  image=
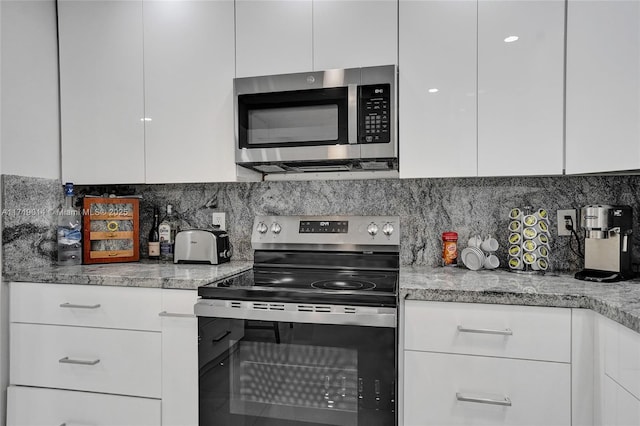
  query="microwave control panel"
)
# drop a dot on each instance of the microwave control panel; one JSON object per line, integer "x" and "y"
{"x": 374, "y": 104}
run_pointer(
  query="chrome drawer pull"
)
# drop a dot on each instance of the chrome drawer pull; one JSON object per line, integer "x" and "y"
{"x": 173, "y": 315}
{"x": 67, "y": 360}
{"x": 71, "y": 305}
{"x": 505, "y": 332}
{"x": 506, "y": 402}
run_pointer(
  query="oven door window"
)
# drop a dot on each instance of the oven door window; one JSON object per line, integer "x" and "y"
{"x": 296, "y": 118}
{"x": 275, "y": 373}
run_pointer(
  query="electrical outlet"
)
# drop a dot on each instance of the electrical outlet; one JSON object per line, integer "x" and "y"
{"x": 562, "y": 215}
{"x": 219, "y": 220}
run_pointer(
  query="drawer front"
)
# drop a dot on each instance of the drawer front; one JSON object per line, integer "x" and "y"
{"x": 621, "y": 355}
{"x": 444, "y": 389}
{"x": 38, "y": 406}
{"x": 493, "y": 330}
{"x": 121, "y": 362}
{"x": 86, "y": 305}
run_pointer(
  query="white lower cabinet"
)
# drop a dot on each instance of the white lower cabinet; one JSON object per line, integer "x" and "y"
{"x": 39, "y": 406}
{"x": 446, "y": 389}
{"x": 617, "y": 374}
{"x": 96, "y": 355}
{"x": 619, "y": 406}
{"x": 91, "y": 359}
{"x": 477, "y": 364}
{"x": 179, "y": 358}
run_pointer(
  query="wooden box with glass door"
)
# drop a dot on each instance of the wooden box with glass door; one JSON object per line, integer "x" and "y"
{"x": 110, "y": 230}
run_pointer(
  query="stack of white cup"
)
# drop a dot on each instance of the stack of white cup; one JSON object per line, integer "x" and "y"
{"x": 481, "y": 253}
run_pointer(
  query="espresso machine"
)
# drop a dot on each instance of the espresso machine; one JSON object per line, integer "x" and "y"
{"x": 607, "y": 244}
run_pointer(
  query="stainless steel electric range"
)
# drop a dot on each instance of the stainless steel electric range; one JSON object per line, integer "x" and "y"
{"x": 309, "y": 335}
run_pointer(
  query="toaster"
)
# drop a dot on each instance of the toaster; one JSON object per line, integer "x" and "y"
{"x": 202, "y": 246}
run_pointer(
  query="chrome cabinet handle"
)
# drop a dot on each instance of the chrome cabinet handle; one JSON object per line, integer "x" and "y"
{"x": 175, "y": 315}
{"x": 505, "y": 332}
{"x": 506, "y": 402}
{"x": 67, "y": 360}
{"x": 71, "y": 305}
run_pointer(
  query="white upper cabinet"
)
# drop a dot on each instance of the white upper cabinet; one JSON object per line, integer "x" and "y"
{"x": 354, "y": 33}
{"x": 520, "y": 87}
{"x": 437, "y": 61}
{"x": 147, "y": 91}
{"x": 603, "y": 86}
{"x": 101, "y": 91}
{"x": 471, "y": 102}
{"x": 273, "y": 37}
{"x": 188, "y": 79}
{"x": 288, "y": 36}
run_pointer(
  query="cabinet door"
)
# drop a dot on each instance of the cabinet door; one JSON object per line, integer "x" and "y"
{"x": 189, "y": 70}
{"x": 101, "y": 91}
{"x": 436, "y": 384}
{"x": 620, "y": 408}
{"x": 273, "y": 37}
{"x": 354, "y": 33}
{"x": 520, "y": 87}
{"x": 437, "y": 65}
{"x": 179, "y": 358}
{"x": 603, "y": 86}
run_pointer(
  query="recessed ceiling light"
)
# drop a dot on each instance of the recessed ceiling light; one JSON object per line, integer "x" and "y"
{"x": 511, "y": 39}
{"x": 433, "y": 90}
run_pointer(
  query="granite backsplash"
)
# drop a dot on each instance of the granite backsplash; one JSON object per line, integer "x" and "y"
{"x": 426, "y": 207}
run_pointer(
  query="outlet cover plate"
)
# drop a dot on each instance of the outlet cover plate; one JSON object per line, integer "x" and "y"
{"x": 219, "y": 220}
{"x": 562, "y": 231}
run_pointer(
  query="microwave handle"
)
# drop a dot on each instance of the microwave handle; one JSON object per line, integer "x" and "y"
{"x": 353, "y": 113}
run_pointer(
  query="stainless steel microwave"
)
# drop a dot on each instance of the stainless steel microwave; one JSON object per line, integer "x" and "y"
{"x": 320, "y": 121}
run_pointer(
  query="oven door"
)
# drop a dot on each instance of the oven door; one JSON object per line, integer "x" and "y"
{"x": 264, "y": 364}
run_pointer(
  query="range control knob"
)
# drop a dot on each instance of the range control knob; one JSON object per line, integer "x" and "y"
{"x": 387, "y": 229}
{"x": 262, "y": 228}
{"x": 372, "y": 229}
{"x": 276, "y": 228}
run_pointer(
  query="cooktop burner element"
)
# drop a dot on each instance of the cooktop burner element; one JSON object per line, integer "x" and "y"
{"x": 310, "y": 259}
{"x": 343, "y": 285}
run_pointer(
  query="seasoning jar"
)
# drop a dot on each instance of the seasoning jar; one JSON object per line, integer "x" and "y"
{"x": 449, "y": 248}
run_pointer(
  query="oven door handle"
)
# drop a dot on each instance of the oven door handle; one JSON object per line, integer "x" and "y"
{"x": 298, "y": 312}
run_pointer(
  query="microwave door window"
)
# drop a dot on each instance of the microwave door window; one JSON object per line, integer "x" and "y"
{"x": 284, "y": 126}
{"x": 295, "y": 118}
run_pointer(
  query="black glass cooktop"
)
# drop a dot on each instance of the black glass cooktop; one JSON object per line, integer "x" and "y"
{"x": 308, "y": 285}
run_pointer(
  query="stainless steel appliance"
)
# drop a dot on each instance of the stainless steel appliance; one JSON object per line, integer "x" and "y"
{"x": 607, "y": 246}
{"x": 309, "y": 335}
{"x": 202, "y": 246}
{"x": 334, "y": 120}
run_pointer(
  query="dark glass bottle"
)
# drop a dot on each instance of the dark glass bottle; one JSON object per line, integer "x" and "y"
{"x": 154, "y": 237}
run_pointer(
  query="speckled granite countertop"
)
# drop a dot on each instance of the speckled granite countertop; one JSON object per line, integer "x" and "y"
{"x": 143, "y": 274}
{"x": 617, "y": 301}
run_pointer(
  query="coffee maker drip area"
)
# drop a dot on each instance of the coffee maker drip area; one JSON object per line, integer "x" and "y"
{"x": 607, "y": 244}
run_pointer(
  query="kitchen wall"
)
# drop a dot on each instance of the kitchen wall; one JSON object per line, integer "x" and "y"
{"x": 427, "y": 207}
